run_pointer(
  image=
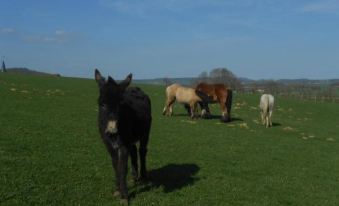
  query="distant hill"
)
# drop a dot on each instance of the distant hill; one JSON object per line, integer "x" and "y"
{"x": 300, "y": 81}
{"x": 188, "y": 81}
{"x": 23, "y": 70}
{"x": 244, "y": 81}
{"x": 162, "y": 81}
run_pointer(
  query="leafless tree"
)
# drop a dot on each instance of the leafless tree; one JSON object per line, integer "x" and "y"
{"x": 223, "y": 76}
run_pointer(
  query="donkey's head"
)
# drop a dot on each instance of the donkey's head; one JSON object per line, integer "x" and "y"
{"x": 109, "y": 102}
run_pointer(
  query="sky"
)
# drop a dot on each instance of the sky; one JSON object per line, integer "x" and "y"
{"x": 257, "y": 39}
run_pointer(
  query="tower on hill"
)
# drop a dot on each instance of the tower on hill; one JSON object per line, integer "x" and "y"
{"x": 3, "y": 67}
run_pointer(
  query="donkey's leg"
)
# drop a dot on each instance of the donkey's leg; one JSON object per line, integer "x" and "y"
{"x": 114, "y": 156}
{"x": 115, "y": 160}
{"x": 122, "y": 168}
{"x": 134, "y": 160}
{"x": 142, "y": 155}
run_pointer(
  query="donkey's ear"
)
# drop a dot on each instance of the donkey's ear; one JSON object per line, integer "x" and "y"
{"x": 111, "y": 80}
{"x": 98, "y": 78}
{"x": 125, "y": 83}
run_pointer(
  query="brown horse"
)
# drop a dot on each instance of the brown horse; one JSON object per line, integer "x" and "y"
{"x": 185, "y": 95}
{"x": 217, "y": 93}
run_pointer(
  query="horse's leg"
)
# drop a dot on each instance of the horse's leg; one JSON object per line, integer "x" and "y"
{"x": 262, "y": 117}
{"x": 188, "y": 109}
{"x": 229, "y": 103}
{"x": 267, "y": 120}
{"x": 171, "y": 110}
{"x": 192, "y": 105}
{"x": 196, "y": 109}
{"x": 168, "y": 106}
{"x": 171, "y": 107}
{"x": 122, "y": 169}
{"x": 134, "y": 160}
{"x": 204, "y": 109}
{"x": 224, "y": 114}
{"x": 270, "y": 117}
{"x": 165, "y": 110}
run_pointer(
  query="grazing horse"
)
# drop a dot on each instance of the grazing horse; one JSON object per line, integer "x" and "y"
{"x": 124, "y": 119}
{"x": 217, "y": 93}
{"x": 266, "y": 109}
{"x": 185, "y": 95}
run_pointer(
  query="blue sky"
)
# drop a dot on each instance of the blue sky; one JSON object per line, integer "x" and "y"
{"x": 269, "y": 39}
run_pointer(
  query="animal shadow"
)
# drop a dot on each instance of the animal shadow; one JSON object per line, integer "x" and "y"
{"x": 181, "y": 115}
{"x": 171, "y": 177}
{"x": 233, "y": 119}
{"x": 275, "y": 124}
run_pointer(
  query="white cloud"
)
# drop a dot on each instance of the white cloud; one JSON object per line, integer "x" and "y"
{"x": 59, "y": 36}
{"x": 127, "y": 7}
{"x": 60, "y": 32}
{"x": 322, "y": 6}
{"x": 6, "y": 30}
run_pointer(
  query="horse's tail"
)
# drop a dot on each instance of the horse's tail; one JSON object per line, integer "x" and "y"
{"x": 229, "y": 102}
{"x": 265, "y": 104}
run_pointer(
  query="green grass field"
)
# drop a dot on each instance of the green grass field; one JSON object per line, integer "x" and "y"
{"x": 51, "y": 152}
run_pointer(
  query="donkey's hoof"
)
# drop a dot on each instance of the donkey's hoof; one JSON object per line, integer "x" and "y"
{"x": 116, "y": 194}
{"x": 124, "y": 201}
{"x": 135, "y": 180}
{"x": 144, "y": 179}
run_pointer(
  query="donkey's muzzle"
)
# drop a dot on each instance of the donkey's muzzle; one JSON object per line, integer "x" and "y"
{"x": 112, "y": 127}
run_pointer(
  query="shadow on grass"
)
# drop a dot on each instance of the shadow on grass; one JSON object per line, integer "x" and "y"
{"x": 181, "y": 115}
{"x": 213, "y": 116}
{"x": 171, "y": 177}
{"x": 275, "y": 124}
{"x": 236, "y": 119}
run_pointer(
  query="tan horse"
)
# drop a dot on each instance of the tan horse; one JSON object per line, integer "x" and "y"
{"x": 185, "y": 95}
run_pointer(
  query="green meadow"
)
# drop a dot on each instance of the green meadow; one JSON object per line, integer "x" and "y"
{"x": 51, "y": 152}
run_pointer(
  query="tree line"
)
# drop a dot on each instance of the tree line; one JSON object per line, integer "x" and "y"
{"x": 301, "y": 89}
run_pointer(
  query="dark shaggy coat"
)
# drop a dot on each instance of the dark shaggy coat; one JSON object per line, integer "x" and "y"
{"x": 124, "y": 119}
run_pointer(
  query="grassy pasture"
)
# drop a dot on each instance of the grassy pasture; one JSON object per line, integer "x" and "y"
{"x": 51, "y": 153}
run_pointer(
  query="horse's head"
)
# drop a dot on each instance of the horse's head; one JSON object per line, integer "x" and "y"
{"x": 110, "y": 97}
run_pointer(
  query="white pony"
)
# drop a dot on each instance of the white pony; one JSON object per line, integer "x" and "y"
{"x": 266, "y": 109}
